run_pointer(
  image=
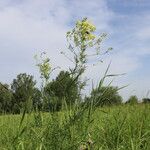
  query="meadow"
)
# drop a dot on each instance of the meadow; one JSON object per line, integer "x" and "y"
{"x": 124, "y": 127}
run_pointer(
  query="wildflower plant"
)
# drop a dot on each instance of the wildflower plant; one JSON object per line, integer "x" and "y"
{"x": 81, "y": 39}
{"x": 43, "y": 63}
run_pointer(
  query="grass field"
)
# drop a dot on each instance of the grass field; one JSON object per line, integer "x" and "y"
{"x": 111, "y": 128}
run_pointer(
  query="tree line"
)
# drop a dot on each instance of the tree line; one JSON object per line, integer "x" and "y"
{"x": 23, "y": 93}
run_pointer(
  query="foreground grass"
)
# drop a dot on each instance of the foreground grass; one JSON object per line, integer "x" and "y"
{"x": 111, "y": 128}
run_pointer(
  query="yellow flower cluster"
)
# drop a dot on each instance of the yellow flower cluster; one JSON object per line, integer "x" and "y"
{"x": 86, "y": 29}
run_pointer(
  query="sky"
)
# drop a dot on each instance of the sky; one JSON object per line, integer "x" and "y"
{"x": 28, "y": 27}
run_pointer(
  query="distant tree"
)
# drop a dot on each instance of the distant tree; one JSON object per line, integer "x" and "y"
{"x": 62, "y": 88}
{"x": 132, "y": 100}
{"x": 146, "y": 100}
{"x": 5, "y": 98}
{"x": 23, "y": 90}
{"x": 106, "y": 96}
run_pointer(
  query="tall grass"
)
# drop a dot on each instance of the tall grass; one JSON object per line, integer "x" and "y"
{"x": 110, "y": 128}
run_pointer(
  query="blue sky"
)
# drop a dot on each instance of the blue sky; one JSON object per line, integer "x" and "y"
{"x": 28, "y": 27}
